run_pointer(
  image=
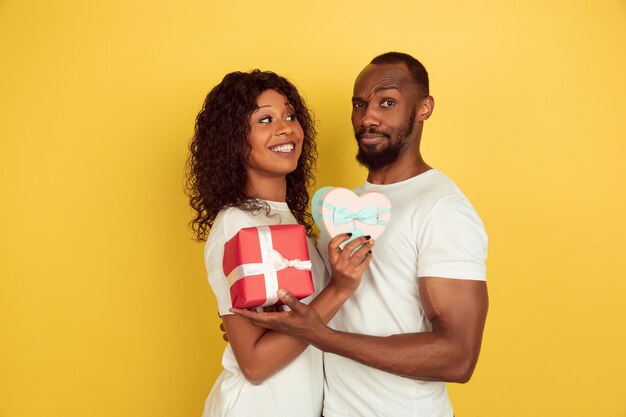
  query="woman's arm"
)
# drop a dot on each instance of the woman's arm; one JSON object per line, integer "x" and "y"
{"x": 260, "y": 352}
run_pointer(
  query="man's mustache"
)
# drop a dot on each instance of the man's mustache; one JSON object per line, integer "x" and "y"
{"x": 372, "y": 131}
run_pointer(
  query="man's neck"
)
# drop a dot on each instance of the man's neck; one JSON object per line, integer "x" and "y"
{"x": 400, "y": 170}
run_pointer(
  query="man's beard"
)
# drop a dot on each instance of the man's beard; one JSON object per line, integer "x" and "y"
{"x": 374, "y": 160}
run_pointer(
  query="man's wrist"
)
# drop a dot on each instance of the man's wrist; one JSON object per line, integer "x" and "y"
{"x": 321, "y": 338}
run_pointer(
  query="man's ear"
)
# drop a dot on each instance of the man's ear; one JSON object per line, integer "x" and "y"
{"x": 425, "y": 108}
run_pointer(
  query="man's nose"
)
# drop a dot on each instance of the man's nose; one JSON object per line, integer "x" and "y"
{"x": 370, "y": 117}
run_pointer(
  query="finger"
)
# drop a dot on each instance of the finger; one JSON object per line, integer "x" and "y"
{"x": 244, "y": 313}
{"x": 255, "y": 316}
{"x": 224, "y": 334}
{"x": 364, "y": 263}
{"x": 291, "y": 301}
{"x": 265, "y": 320}
{"x": 350, "y": 247}
{"x": 333, "y": 246}
{"x": 359, "y": 255}
{"x": 336, "y": 241}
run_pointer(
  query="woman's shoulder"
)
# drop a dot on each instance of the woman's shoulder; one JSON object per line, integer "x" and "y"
{"x": 230, "y": 215}
{"x": 229, "y": 221}
{"x": 232, "y": 219}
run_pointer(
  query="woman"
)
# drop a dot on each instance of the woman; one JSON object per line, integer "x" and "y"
{"x": 250, "y": 165}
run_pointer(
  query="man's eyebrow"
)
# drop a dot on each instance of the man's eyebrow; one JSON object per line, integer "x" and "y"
{"x": 375, "y": 91}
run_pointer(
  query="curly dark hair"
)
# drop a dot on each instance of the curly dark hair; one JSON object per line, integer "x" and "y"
{"x": 215, "y": 172}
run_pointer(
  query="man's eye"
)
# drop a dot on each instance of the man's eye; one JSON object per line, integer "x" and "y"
{"x": 266, "y": 119}
{"x": 291, "y": 117}
{"x": 388, "y": 103}
{"x": 358, "y": 105}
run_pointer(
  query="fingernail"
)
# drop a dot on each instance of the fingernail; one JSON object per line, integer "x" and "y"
{"x": 349, "y": 234}
{"x": 281, "y": 293}
{"x": 371, "y": 242}
{"x": 367, "y": 237}
{"x": 369, "y": 251}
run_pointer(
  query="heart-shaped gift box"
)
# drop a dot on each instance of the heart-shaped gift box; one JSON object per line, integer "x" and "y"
{"x": 339, "y": 210}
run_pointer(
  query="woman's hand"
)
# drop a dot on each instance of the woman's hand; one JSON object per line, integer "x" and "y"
{"x": 348, "y": 264}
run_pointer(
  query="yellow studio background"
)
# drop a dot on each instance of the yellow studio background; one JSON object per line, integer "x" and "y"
{"x": 105, "y": 309}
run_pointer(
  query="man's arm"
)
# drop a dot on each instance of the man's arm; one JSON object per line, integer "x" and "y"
{"x": 259, "y": 352}
{"x": 456, "y": 308}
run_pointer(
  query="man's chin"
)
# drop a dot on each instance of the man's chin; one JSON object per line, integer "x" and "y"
{"x": 375, "y": 160}
{"x": 372, "y": 150}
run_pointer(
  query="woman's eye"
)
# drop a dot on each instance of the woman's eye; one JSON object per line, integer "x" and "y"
{"x": 266, "y": 119}
{"x": 291, "y": 117}
{"x": 388, "y": 103}
{"x": 357, "y": 105}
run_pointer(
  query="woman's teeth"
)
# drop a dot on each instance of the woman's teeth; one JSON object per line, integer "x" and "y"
{"x": 288, "y": 147}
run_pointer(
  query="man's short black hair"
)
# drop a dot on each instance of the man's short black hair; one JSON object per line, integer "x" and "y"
{"x": 417, "y": 70}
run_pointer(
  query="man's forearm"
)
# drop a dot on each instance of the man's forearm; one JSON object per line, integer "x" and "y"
{"x": 456, "y": 310}
{"x": 426, "y": 356}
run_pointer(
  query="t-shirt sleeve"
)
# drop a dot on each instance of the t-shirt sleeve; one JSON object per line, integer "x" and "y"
{"x": 453, "y": 242}
{"x": 222, "y": 231}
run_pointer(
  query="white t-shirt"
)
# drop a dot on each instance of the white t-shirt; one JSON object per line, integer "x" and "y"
{"x": 295, "y": 390}
{"x": 433, "y": 231}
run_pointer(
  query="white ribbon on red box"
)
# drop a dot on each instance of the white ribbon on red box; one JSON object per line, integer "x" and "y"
{"x": 272, "y": 261}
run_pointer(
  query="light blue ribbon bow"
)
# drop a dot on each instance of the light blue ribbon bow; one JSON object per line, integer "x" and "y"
{"x": 367, "y": 215}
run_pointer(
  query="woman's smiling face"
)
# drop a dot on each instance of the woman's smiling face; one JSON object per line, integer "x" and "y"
{"x": 275, "y": 137}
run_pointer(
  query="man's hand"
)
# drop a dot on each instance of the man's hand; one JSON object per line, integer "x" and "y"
{"x": 300, "y": 322}
{"x": 225, "y": 333}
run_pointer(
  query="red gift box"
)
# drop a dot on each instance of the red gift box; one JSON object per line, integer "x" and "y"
{"x": 260, "y": 260}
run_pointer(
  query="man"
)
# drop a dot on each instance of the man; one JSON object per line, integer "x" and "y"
{"x": 417, "y": 318}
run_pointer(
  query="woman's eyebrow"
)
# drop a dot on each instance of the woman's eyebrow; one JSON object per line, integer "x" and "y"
{"x": 288, "y": 104}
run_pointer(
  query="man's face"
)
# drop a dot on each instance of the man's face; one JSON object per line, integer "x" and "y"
{"x": 384, "y": 107}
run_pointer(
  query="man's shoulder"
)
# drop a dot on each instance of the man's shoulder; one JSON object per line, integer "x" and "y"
{"x": 439, "y": 183}
{"x": 428, "y": 189}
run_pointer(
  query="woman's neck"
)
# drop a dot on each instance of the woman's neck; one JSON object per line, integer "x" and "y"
{"x": 272, "y": 188}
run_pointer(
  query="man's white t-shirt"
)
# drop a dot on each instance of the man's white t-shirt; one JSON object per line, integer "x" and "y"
{"x": 433, "y": 231}
{"x": 295, "y": 390}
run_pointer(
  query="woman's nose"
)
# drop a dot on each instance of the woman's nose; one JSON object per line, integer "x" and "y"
{"x": 284, "y": 128}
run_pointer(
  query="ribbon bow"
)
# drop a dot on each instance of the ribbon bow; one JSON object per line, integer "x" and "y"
{"x": 275, "y": 262}
{"x": 280, "y": 262}
{"x": 367, "y": 215}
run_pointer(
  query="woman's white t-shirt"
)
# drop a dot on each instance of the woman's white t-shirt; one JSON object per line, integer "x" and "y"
{"x": 297, "y": 389}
